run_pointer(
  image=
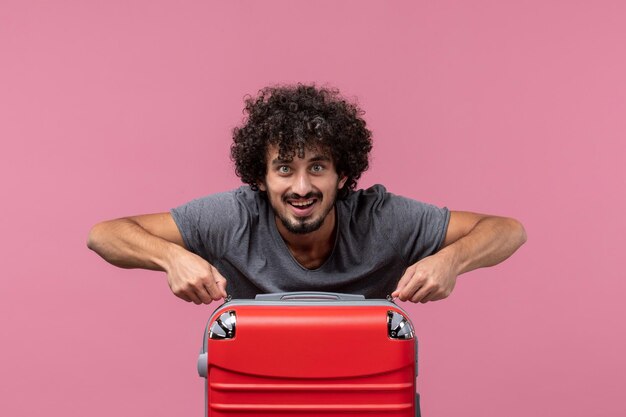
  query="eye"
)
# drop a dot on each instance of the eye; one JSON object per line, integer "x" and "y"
{"x": 317, "y": 168}
{"x": 283, "y": 169}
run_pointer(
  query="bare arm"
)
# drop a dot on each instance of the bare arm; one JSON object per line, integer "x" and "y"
{"x": 477, "y": 240}
{"x": 154, "y": 242}
{"x": 472, "y": 241}
{"x": 146, "y": 242}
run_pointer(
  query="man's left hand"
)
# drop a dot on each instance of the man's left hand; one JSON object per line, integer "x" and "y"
{"x": 432, "y": 278}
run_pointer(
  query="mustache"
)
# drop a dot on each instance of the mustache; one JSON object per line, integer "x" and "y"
{"x": 295, "y": 196}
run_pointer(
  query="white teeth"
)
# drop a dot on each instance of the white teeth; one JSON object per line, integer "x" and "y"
{"x": 302, "y": 203}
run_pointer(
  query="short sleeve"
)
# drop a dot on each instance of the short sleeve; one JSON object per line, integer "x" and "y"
{"x": 414, "y": 228}
{"x": 209, "y": 224}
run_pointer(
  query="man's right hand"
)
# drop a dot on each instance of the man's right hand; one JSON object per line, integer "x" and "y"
{"x": 153, "y": 241}
{"x": 193, "y": 279}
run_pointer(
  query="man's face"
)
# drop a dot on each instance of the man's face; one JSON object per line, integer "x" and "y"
{"x": 302, "y": 191}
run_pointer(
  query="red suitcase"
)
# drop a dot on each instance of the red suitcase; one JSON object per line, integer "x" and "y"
{"x": 295, "y": 354}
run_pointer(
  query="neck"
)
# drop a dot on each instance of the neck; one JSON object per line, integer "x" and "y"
{"x": 311, "y": 249}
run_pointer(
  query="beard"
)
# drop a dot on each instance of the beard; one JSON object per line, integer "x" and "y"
{"x": 304, "y": 225}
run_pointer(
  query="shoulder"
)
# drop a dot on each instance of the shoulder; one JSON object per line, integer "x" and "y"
{"x": 228, "y": 204}
{"x": 362, "y": 209}
{"x": 210, "y": 224}
{"x": 377, "y": 198}
{"x": 377, "y": 202}
{"x": 367, "y": 198}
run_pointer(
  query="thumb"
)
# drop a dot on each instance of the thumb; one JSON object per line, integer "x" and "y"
{"x": 406, "y": 277}
{"x": 218, "y": 282}
{"x": 221, "y": 283}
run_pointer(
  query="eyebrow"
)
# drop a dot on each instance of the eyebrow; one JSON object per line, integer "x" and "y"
{"x": 316, "y": 158}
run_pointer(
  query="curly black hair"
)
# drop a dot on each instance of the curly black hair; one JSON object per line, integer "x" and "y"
{"x": 294, "y": 118}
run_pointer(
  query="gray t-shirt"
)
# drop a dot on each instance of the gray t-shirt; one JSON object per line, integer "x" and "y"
{"x": 378, "y": 236}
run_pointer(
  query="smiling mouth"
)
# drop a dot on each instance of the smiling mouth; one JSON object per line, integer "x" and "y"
{"x": 303, "y": 204}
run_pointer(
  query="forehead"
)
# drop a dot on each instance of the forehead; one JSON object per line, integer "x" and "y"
{"x": 311, "y": 153}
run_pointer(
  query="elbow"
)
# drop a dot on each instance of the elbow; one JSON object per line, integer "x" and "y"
{"x": 519, "y": 232}
{"x": 94, "y": 239}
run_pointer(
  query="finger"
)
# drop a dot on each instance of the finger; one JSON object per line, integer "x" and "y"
{"x": 437, "y": 295}
{"x": 404, "y": 279}
{"x": 421, "y": 294}
{"x": 210, "y": 284}
{"x": 415, "y": 285}
{"x": 406, "y": 293}
{"x": 427, "y": 298}
{"x": 209, "y": 289}
{"x": 203, "y": 294}
{"x": 193, "y": 297}
{"x": 431, "y": 295}
{"x": 183, "y": 297}
{"x": 180, "y": 293}
{"x": 403, "y": 291}
{"x": 221, "y": 282}
{"x": 441, "y": 291}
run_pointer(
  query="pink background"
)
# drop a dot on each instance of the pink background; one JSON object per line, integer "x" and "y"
{"x": 118, "y": 108}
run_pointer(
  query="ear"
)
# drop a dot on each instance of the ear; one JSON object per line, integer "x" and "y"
{"x": 261, "y": 185}
{"x": 341, "y": 182}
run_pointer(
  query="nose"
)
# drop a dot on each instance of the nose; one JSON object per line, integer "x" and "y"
{"x": 302, "y": 184}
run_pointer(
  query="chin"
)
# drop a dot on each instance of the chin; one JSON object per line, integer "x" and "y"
{"x": 300, "y": 228}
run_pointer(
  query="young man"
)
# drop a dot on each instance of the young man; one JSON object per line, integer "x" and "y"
{"x": 299, "y": 224}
